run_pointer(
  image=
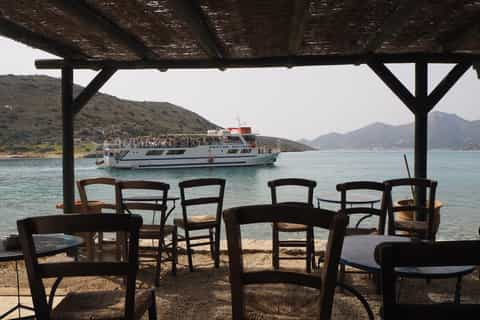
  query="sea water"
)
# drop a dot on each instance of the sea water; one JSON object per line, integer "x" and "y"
{"x": 33, "y": 187}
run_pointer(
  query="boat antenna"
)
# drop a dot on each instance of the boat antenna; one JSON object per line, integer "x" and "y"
{"x": 238, "y": 120}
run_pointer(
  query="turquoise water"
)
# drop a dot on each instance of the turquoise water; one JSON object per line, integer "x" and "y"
{"x": 34, "y": 187}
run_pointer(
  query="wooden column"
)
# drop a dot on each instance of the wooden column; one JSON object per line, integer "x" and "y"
{"x": 421, "y": 129}
{"x": 70, "y": 107}
{"x": 68, "y": 148}
{"x": 420, "y": 104}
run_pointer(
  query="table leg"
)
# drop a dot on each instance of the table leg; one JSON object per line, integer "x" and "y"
{"x": 358, "y": 295}
{"x": 458, "y": 289}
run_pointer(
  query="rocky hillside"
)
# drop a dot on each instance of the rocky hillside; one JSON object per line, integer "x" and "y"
{"x": 30, "y": 117}
{"x": 445, "y": 131}
{"x": 284, "y": 145}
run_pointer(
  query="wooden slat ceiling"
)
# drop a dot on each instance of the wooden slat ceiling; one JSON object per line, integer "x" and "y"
{"x": 206, "y": 30}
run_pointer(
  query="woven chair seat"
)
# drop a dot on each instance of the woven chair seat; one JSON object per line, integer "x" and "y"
{"x": 291, "y": 227}
{"x": 360, "y": 231}
{"x": 418, "y": 226}
{"x": 199, "y": 221}
{"x": 152, "y": 231}
{"x": 103, "y": 305}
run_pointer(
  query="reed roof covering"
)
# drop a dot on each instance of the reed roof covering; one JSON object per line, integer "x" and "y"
{"x": 229, "y": 33}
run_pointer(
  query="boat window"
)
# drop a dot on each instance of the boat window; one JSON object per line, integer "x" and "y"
{"x": 249, "y": 138}
{"x": 232, "y": 150}
{"x": 154, "y": 152}
{"x": 232, "y": 139}
{"x": 246, "y": 150}
{"x": 121, "y": 154}
{"x": 177, "y": 151}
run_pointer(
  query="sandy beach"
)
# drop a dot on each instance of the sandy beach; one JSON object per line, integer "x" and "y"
{"x": 205, "y": 293}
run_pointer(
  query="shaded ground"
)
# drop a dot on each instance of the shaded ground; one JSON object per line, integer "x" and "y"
{"x": 205, "y": 293}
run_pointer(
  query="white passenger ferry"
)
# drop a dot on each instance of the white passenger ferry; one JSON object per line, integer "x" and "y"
{"x": 233, "y": 147}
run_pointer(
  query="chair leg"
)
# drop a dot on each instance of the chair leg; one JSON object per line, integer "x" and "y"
{"x": 341, "y": 275}
{"x": 217, "y": 246}
{"x": 312, "y": 250}
{"x": 100, "y": 246}
{"x": 212, "y": 247}
{"x": 121, "y": 246}
{"x": 309, "y": 250}
{"x": 152, "y": 309}
{"x": 118, "y": 246}
{"x": 90, "y": 245}
{"x": 275, "y": 248}
{"x": 189, "y": 251}
{"x": 174, "y": 250}
{"x": 158, "y": 268}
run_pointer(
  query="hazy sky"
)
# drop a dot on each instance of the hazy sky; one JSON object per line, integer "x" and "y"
{"x": 291, "y": 103}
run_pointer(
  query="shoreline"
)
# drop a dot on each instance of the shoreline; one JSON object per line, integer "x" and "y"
{"x": 34, "y": 155}
{"x": 85, "y": 155}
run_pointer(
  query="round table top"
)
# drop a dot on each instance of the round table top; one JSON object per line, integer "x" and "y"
{"x": 352, "y": 198}
{"x": 358, "y": 252}
{"x": 45, "y": 245}
{"x": 149, "y": 198}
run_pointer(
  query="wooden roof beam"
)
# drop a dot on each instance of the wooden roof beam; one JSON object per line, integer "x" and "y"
{"x": 191, "y": 12}
{"x": 89, "y": 91}
{"x": 298, "y": 24}
{"x": 392, "y": 25}
{"x": 92, "y": 16}
{"x": 447, "y": 83}
{"x": 20, "y": 33}
{"x": 394, "y": 84}
{"x": 266, "y": 62}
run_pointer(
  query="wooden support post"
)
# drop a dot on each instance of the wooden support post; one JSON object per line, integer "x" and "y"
{"x": 68, "y": 148}
{"x": 420, "y": 104}
{"x": 92, "y": 88}
{"x": 421, "y": 127}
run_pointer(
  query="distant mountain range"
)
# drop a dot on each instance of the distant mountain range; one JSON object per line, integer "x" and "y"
{"x": 30, "y": 118}
{"x": 445, "y": 131}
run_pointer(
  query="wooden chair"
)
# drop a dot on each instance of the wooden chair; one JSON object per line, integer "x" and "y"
{"x": 110, "y": 207}
{"x": 365, "y": 212}
{"x": 157, "y": 233}
{"x": 314, "y": 217}
{"x": 418, "y": 254}
{"x": 201, "y": 222}
{"x": 308, "y": 243}
{"x": 421, "y": 229}
{"x": 116, "y": 304}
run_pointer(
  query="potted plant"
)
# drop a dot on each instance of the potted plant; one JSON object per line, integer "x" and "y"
{"x": 408, "y": 215}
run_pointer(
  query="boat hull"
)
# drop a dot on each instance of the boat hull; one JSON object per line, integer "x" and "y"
{"x": 138, "y": 160}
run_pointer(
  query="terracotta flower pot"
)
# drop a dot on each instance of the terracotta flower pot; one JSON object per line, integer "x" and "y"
{"x": 408, "y": 215}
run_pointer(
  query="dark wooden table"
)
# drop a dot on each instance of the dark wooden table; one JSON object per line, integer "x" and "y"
{"x": 358, "y": 252}
{"x": 45, "y": 245}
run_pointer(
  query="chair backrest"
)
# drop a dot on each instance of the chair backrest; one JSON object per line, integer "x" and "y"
{"x": 148, "y": 188}
{"x": 292, "y": 182}
{"x": 74, "y": 223}
{"x": 82, "y": 190}
{"x": 417, "y": 254}
{"x": 335, "y": 223}
{"x": 427, "y": 208}
{"x": 366, "y": 186}
{"x": 202, "y": 200}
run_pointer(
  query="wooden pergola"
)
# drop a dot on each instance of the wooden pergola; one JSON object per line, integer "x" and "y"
{"x": 109, "y": 35}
